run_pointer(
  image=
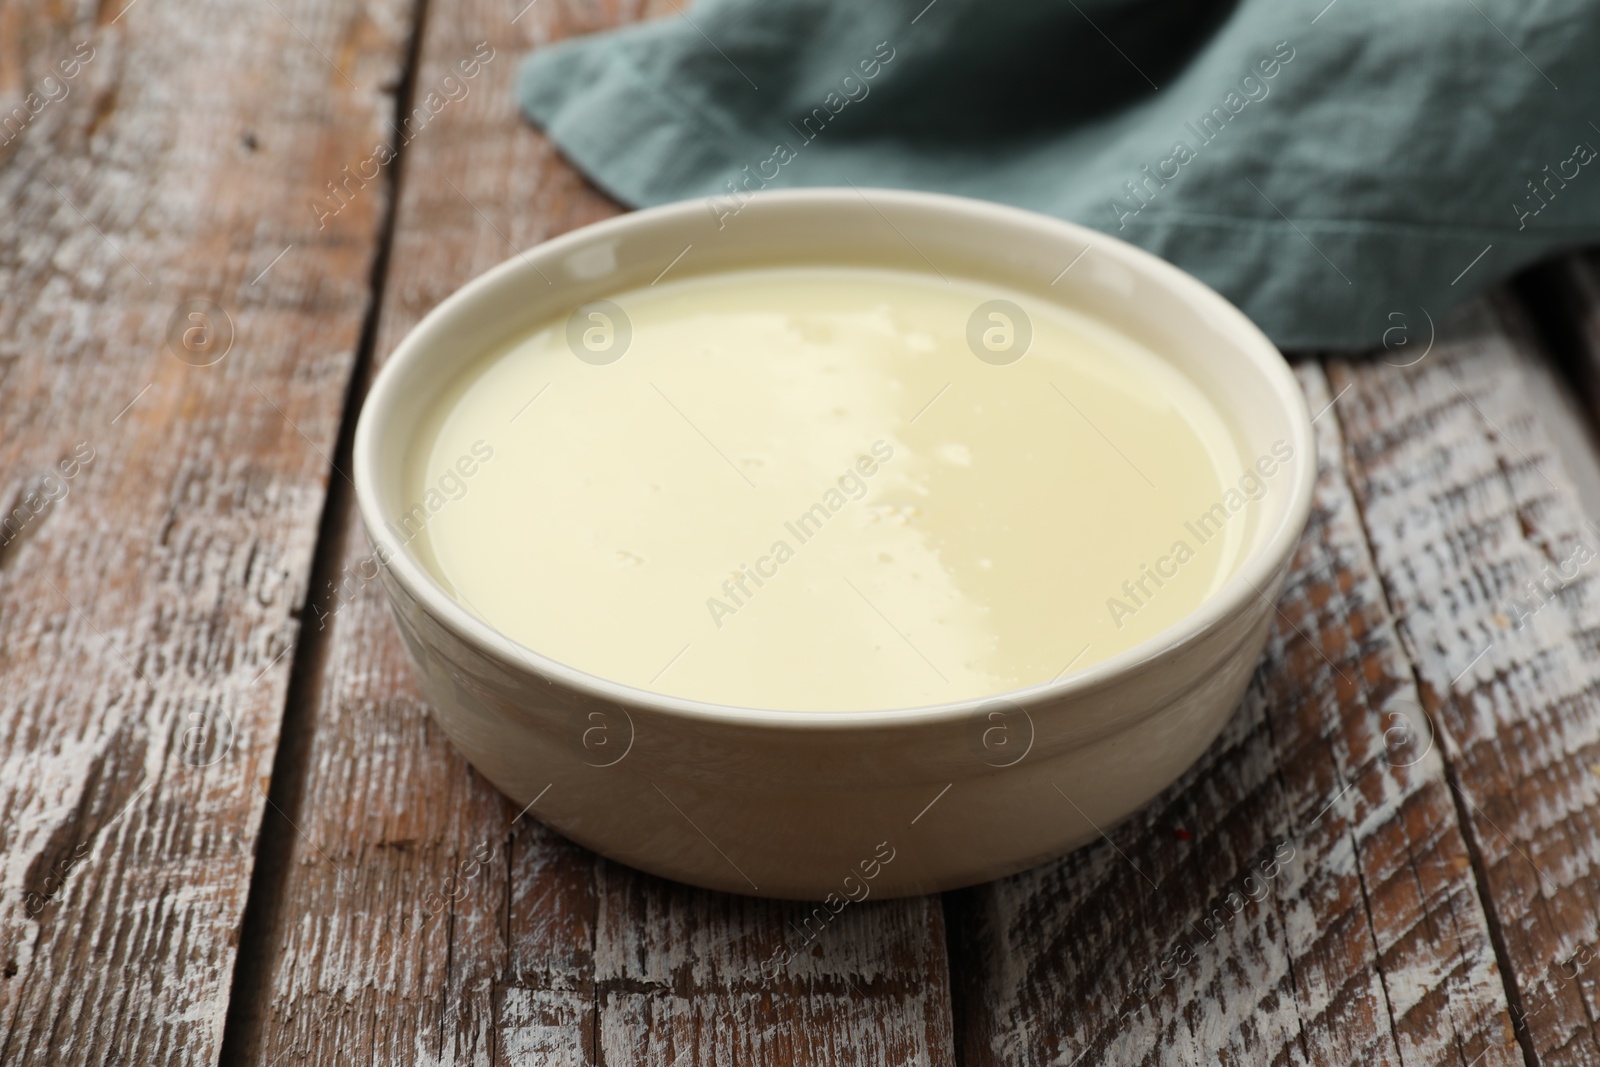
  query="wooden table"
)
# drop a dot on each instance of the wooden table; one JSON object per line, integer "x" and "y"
{"x": 231, "y": 831}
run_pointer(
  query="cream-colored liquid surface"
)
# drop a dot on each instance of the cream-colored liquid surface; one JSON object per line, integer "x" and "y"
{"x": 969, "y": 523}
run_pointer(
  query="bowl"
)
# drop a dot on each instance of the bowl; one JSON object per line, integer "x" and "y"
{"x": 839, "y": 806}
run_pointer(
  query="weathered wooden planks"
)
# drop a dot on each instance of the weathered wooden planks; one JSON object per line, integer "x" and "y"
{"x": 545, "y": 954}
{"x": 149, "y": 612}
{"x": 1369, "y": 945}
{"x": 1490, "y": 568}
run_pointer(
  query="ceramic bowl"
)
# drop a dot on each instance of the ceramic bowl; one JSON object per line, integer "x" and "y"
{"x": 840, "y": 806}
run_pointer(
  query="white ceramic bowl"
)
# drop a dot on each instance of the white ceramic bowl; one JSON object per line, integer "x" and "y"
{"x": 879, "y": 803}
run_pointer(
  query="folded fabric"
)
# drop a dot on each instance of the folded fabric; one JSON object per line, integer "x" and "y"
{"x": 1338, "y": 170}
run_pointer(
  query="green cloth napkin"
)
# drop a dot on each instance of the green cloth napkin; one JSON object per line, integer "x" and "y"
{"x": 1338, "y": 170}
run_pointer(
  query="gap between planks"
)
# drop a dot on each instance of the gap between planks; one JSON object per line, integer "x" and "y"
{"x": 1517, "y": 702}
{"x": 1464, "y": 821}
{"x": 250, "y": 989}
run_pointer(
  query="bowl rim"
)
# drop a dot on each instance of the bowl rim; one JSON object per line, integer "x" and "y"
{"x": 1253, "y": 576}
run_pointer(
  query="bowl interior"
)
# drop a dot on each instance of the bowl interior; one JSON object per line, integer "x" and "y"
{"x": 1154, "y": 303}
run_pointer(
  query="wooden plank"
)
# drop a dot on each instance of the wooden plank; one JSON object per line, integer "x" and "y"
{"x": 539, "y": 952}
{"x": 151, "y": 588}
{"x": 1302, "y": 895}
{"x": 688, "y": 976}
{"x": 1489, "y": 565}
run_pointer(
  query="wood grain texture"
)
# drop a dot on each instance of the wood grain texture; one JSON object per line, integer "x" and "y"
{"x": 151, "y": 597}
{"x": 1303, "y": 895}
{"x": 422, "y": 920}
{"x": 1490, "y": 567}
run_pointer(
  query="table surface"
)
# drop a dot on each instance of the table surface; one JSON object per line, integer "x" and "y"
{"x": 232, "y": 832}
